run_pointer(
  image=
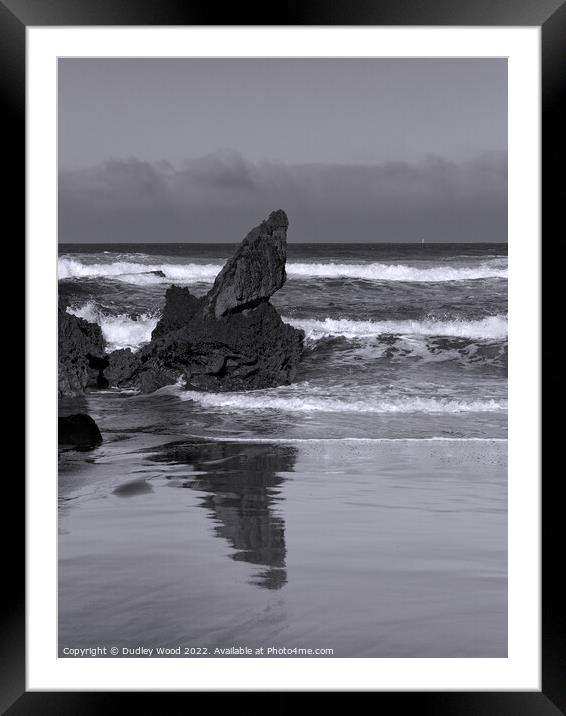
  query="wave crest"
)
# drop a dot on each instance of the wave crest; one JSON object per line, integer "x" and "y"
{"x": 72, "y": 268}
{"x": 395, "y": 272}
{"x": 118, "y": 330}
{"x": 305, "y": 403}
{"x": 489, "y": 328}
{"x": 130, "y": 271}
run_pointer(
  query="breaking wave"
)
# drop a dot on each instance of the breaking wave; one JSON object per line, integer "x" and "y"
{"x": 119, "y": 330}
{"x": 489, "y": 328}
{"x": 140, "y": 272}
{"x": 395, "y": 272}
{"x": 71, "y": 268}
{"x": 305, "y": 403}
{"x": 125, "y": 330}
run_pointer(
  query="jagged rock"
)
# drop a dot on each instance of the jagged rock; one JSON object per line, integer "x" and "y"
{"x": 256, "y": 270}
{"x": 180, "y": 307}
{"x": 122, "y": 365}
{"x": 248, "y": 350}
{"x": 80, "y": 353}
{"x": 231, "y": 339}
{"x": 79, "y": 429}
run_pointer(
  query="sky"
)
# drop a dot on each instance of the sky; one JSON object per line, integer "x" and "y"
{"x": 353, "y": 149}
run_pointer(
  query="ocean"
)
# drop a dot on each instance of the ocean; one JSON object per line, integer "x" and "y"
{"x": 361, "y": 510}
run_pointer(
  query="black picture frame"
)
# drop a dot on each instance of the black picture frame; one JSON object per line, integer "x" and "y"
{"x": 15, "y": 16}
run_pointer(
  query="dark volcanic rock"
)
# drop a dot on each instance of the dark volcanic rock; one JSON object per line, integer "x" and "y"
{"x": 256, "y": 270}
{"x": 233, "y": 338}
{"x": 80, "y": 353}
{"x": 122, "y": 364}
{"x": 79, "y": 429}
{"x": 243, "y": 351}
{"x": 180, "y": 307}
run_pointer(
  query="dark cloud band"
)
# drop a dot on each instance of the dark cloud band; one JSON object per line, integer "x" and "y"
{"x": 215, "y": 197}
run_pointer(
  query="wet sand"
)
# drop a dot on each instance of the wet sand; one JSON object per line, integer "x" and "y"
{"x": 369, "y": 548}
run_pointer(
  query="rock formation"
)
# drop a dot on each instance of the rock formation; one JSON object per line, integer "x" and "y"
{"x": 121, "y": 365}
{"x": 243, "y": 351}
{"x": 180, "y": 307}
{"x": 79, "y": 430}
{"x": 230, "y": 339}
{"x": 256, "y": 270}
{"x": 80, "y": 353}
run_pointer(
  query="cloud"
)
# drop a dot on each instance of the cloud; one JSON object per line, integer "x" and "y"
{"x": 220, "y": 196}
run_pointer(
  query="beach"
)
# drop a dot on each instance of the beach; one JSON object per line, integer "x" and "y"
{"x": 360, "y": 511}
{"x": 369, "y": 548}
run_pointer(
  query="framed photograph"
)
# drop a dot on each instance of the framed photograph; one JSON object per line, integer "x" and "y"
{"x": 283, "y": 354}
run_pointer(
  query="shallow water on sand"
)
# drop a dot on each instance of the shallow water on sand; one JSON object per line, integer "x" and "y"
{"x": 362, "y": 509}
{"x": 367, "y": 547}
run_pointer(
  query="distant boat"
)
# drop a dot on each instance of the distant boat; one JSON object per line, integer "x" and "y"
{"x": 422, "y": 243}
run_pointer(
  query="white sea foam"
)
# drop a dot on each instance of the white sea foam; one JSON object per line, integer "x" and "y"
{"x": 192, "y": 272}
{"x": 395, "y": 272}
{"x": 140, "y": 279}
{"x": 139, "y": 272}
{"x": 118, "y": 330}
{"x": 491, "y": 327}
{"x": 124, "y": 331}
{"x": 306, "y": 403}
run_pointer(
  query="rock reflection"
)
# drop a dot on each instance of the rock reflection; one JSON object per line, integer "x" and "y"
{"x": 242, "y": 485}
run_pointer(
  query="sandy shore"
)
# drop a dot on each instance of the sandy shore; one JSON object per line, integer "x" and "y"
{"x": 368, "y": 548}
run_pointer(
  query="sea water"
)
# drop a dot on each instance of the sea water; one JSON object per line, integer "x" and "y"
{"x": 361, "y": 509}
